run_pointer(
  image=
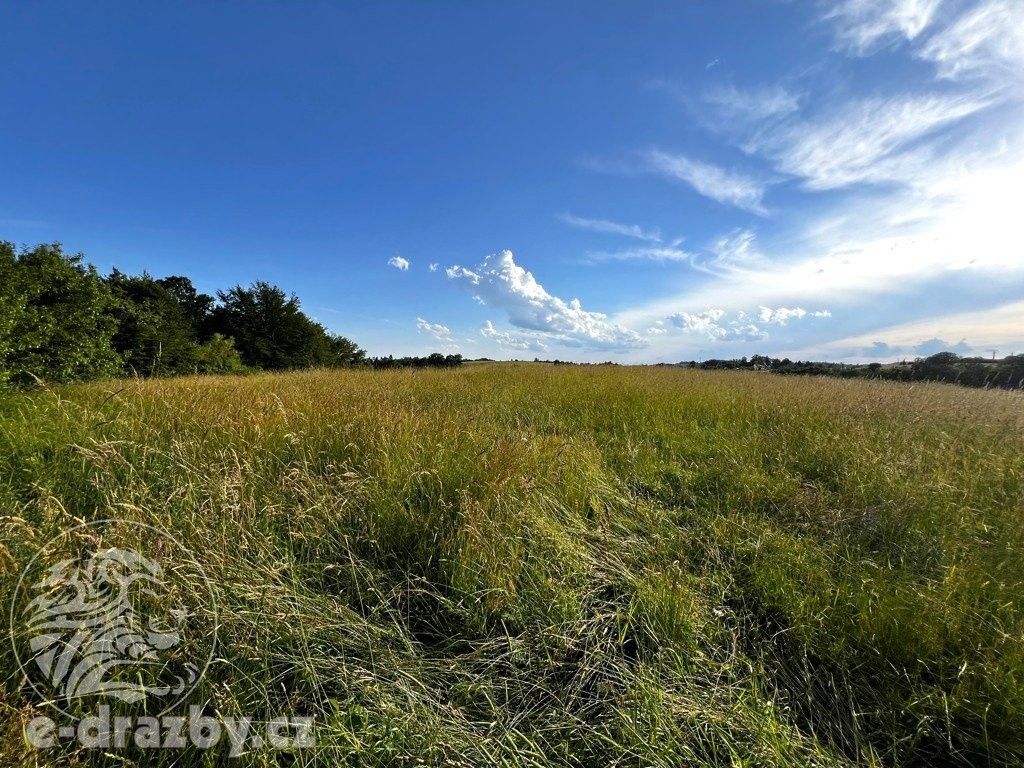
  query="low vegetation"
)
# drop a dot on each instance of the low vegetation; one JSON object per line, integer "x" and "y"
{"x": 526, "y": 565}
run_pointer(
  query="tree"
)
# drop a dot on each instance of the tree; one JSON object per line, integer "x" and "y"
{"x": 271, "y": 331}
{"x": 194, "y": 305}
{"x": 346, "y": 352}
{"x": 56, "y": 321}
{"x": 156, "y": 332}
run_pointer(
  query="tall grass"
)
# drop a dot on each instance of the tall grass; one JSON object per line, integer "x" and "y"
{"x": 522, "y": 565}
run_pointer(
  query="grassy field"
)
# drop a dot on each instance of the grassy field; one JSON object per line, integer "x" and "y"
{"x": 527, "y": 565}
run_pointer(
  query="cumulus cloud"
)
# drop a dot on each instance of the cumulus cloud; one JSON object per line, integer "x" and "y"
{"x": 861, "y": 26}
{"x": 712, "y": 323}
{"x": 438, "y": 331}
{"x": 705, "y": 323}
{"x": 986, "y": 41}
{"x": 501, "y": 283}
{"x": 709, "y": 180}
{"x": 399, "y": 263}
{"x": 508, "y": 340}
{"x": 612, "y": 228}
{"x": 781, "y": 315}
{"x": 433, "y": 266}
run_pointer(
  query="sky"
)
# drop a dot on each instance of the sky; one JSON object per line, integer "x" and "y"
{"x": 636, "y": 182}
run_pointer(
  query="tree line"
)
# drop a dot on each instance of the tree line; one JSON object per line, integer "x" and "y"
{"x": 61, "y": 321}
{"x": 1007, "y": 372}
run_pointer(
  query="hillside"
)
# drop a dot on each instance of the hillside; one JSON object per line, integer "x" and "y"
{"x": 526, "y": 565}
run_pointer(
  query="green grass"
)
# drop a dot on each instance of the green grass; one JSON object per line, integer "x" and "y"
{"x": 523, "y": 565}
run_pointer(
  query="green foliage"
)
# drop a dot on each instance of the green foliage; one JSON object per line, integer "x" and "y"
{"x": 61, "y": 322}
{"x": 156, "y": 333}
{"x": 55, "y": 319}
{"x": 218, "y": 355}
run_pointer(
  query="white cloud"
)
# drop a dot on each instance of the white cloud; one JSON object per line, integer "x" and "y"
{"x": 641, "y": 254}
{"x": 712, "y": 324}
{"x": 987, "y": 41}
{"x": 438, "y": 331}
{"x": 399, "y": 263}
{"x": 869, "y": 140}
{"x": 781, "y": 315}
{"x": 752, "y": 105}
{"x": 962, "y": 222}
{"x": 706, "y": 322}
{"x": 433, "y": 266}
{"x": 736, "y": 251}
{"x": 501, "y": 283}
{"x": 862, "y": 25}
{"x": 612, "y": 227}
{"x": 512, "y": 341}
{"x": 709, "y": 180}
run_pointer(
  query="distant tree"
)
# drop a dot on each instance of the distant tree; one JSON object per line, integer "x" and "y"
{"x": 1010, "y": 372}
{"x": 56, "y": 321}
{"x": 345, "y": 352}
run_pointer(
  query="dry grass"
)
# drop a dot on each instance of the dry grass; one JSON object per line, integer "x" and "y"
{"x": 522, "y": 565}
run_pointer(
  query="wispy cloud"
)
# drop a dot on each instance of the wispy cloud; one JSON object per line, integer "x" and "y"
{"x": 501, "y": 283}
{"x": 612, "y": 228}
{"x": 660, "y": 255}
{"x": 986, "y": 41}
{"x": 867, "y": 140}
{"x": 400, "y": 263}
{"x": 753, "y": 105}
{"x": 972, "y": 236}
{"x": 733, "y": 252}
{"x": 438, "y": 331}
{"x": 861, "y": 26}
{"x": 724, "y": 186}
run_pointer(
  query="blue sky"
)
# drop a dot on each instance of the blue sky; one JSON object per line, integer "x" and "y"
{"x": 583, "y": 180}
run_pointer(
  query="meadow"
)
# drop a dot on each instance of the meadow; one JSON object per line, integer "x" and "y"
{"x": 530, "y": 565}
